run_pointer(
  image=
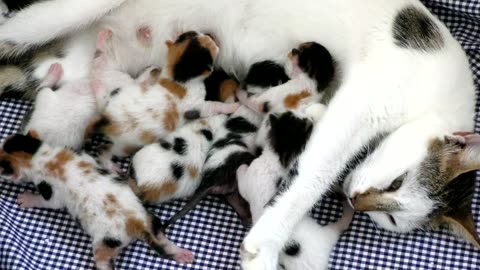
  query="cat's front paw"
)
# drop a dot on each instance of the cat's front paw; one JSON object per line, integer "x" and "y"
{"x": 258, "y": 252}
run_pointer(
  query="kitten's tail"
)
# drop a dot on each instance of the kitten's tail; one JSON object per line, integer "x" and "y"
{"x": 194, "y": 201}
{"x": 49, "y": 20}
{"x": 344, "y": 222}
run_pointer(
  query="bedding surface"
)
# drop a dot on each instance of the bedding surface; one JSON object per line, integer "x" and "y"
{"x": 36, "y": 239}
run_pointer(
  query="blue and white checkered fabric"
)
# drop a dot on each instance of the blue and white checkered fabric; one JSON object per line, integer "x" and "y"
{"x": 36, "y": 239}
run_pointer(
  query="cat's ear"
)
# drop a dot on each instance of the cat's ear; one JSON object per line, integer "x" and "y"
{"x": 460, "y": 222}
{"x": 467, "y": 149}
{"x": 169, "y": 43}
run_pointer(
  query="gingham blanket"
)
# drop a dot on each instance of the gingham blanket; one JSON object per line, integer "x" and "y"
{"x": 37, "y": 239}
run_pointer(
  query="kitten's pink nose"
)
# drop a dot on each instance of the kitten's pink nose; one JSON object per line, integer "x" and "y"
{"x": 353, "y": 199}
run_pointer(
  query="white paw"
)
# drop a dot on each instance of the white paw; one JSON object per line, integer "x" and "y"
{"x": 258, "y": 252}
{"x": 27, "y": 200}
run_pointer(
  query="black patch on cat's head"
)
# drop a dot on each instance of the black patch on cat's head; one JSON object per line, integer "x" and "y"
{"x": 292, "y": 249}
{"x": 317, "y": 62}
{"x": 288, "y": 136}
{"x": 177, "y": 170}
{"x": 207, "y": 134}
{"x": 191, "y": 115}
{"x": 180, "y": 146}
{"x": 6, "y": 168}
{"x": 266, "y": 74}
{"x": 111, "y": 242}
{"x": 45, "y": 190}
{"x": 165, "y": 145}
{"x": 240, "y": 125}
{"x": 414, "y": 29}
{"x": 195, "y": 59}
{"x": 213, "y": 84}
{"x": 22, "y": 143}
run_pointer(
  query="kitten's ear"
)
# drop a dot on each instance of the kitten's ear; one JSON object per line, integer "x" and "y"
{"x": 34, "y": 134}
{"x": 467, "y": 147}
{"x": 460, "y": 222}
{"x": 272, "y": 118}
{"x": 169, "y": 43}
{"x": 21, "y": 143}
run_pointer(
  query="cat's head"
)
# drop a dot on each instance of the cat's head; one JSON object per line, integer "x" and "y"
{"x": 192, "y": 55}
{"x": 264, "y": 75}
{"x": 436, "y": 192}
{"x": 313, "y": 60}
{"x": 18, "y": 151}
{"x": 287, "y": 135}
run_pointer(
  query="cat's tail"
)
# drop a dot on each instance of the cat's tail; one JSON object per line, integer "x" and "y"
{"x": 192, "y": 203}
{"x": 43, "y": 22}
{"x": 344, "y": 222}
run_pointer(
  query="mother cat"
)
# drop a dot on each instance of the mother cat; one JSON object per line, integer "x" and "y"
{"x": 405, "y": 84}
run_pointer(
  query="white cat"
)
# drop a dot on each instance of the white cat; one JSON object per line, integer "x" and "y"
{"x": 405, "y": 79}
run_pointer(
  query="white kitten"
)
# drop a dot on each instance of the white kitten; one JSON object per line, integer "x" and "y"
{"x": 60, "y": 117}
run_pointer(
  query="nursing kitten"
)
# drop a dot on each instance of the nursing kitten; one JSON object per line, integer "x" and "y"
{"x": 106, "y": 207}
{"x": 61, "y": 116}
{"x": 311, "y": 69}
{"x": 406, "y": 81}
{"x": 171, "y": 168}
{"x": 138, "y": 114}
{"x": 285, "y": 138}
{"x": 234, "y": 143}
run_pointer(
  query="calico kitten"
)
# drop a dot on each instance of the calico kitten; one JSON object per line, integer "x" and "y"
{"x": 61, "y": 117}
{"x": 171, "y": 168}
{"x": 141, "y": 113}
{"x": 105, "y": 206}
{"x": 311, "y": 69}
{"x": 286, "y": 136}
{"x": 234, "y": 145}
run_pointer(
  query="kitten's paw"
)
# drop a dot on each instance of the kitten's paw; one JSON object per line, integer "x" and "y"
{"x": 241, "y": 171}
{"x": 231, "y": 108}
{"x": 184, "y": 256}
{"x": 258, "y": 250}
{"x": 27, "y": 200}
{"x": 262, "y": 259}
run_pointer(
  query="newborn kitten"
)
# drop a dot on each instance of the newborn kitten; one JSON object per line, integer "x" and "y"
{"x": 234, "y": 143}
{"x": 171, "y": 168}
{"x": 286, "y": 137}
{"x": 106, "y": 207}
{"x": 140, "y": 113}
{"x": 311, "y": 69}
{"x": 60, "y": 117}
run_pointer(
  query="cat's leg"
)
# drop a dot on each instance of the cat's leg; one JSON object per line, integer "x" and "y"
{"x": 335, "y": 140}
{"x": 42, "y": 22}
{"x": 48, "y": 198}
{"x": 54, "y": 75}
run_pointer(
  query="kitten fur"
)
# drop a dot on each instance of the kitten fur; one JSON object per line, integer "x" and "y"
{"x": 140, "y": 113}
{"x": 105, "y": 206}
{"x": 234, "y": 145}
{"x": 171, "y": 168}
{"x": 311, "y": 69}
{"x": 405, "y": 81}
{"x": 71, "y": 108}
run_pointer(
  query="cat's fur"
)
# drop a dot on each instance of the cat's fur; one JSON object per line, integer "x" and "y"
{"x": 311, "y": 70}
{"x": 405, "y": 79}
{"x": 235, "y": 144}
{"x": 140, "y": 113}
{"x": 259, "y": 182}
{"x": 61, "y": 116}
{"x": 171, "y": 168}
{"x": 106, "y": 207}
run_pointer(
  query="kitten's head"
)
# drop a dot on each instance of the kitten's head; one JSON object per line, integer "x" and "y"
{"x": 264, "y": 75}
{"x": 17, "y": 154}
{"x": 191, "y": 56}
{"x": 288, "y": 135}
{"x": 436, "y": 192}
{"x": 220, "y": 86}
{"x": 313, "y": 60}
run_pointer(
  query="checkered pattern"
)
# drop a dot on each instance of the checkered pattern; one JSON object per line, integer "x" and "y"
{"x": 37, "y": 239}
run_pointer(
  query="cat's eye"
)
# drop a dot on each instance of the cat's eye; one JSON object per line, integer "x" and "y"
{"x": 396, "y": 184}
{"x": 392, "y": 220}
